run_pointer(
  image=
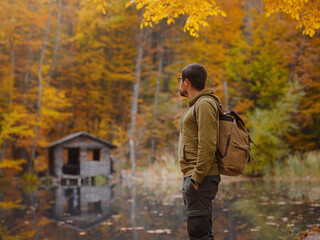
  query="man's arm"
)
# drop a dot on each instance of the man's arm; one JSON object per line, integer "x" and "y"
{"x": 208, "y": 128}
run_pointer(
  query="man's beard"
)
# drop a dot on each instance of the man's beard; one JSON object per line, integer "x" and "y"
{"x": 183, "y": 94}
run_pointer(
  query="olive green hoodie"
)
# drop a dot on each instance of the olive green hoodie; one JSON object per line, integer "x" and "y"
{"x": 198, "y": 140}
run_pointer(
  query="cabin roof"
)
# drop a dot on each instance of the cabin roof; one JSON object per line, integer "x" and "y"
{"x": 78, "y": 134}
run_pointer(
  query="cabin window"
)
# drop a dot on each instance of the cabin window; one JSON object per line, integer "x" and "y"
{"x": 96, "y": 154}
{"x": 93, "y": 154}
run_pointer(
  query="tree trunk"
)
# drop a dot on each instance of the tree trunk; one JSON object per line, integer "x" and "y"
{"x": 44, "y": 44}
{"x": 134, "y": 106}
{"x": 27, "y": 73}
{"x": 56, "y": 46}
{"x": 29, "y": 56}
{"x": 156, "y": 95}
{"x": 248, "y": 19}
{"x": 226, "y": 94}
{"x": 13, "y": 63}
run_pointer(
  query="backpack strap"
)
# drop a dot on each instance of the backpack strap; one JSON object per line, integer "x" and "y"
{"x": 195, "y": 108}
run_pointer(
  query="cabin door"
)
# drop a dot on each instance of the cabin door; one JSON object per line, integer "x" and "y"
{"x": 73, "y": 165}
{"x": 73, "y": 156}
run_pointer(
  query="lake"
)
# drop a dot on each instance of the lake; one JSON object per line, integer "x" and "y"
{"x": 246, "y": 209}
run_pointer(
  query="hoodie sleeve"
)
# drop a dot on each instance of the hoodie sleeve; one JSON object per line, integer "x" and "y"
{"x": 208, "y": 124}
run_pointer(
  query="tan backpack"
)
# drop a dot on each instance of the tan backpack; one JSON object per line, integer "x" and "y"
{"x": 233, "y": 147}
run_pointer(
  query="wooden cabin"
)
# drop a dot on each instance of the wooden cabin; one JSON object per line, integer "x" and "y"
{"x": 79, "y": 156}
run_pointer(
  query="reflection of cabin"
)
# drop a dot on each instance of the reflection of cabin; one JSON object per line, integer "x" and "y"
{"x": 79, "y": 155}
{"x": 81, "y": 208}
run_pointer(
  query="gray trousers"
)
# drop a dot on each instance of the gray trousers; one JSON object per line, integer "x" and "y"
{"x": 199, "y": 206}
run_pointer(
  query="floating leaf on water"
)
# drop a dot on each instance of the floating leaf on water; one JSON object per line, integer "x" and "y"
{"x": 254, "y": 229}
{"x": 270, "y": 217}
{"x": 315, "y": 205}
{"x": 106, "y": 223}
{"x": 131, "y": 228}
{"x": 271, "y": 223}
{"x": 159, "y": 231}
{"x": 285, "y": 219}
{"x": 290, "y": 225}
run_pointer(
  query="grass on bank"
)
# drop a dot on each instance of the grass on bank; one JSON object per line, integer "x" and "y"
{"x": 299, "y": 165}
{"x": 165, "y": 167}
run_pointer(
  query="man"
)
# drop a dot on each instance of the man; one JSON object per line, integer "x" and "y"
{"x": 196, "y": 152}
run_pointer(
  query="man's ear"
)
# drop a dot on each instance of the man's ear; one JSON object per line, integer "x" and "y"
{"x": 186, "y": 81}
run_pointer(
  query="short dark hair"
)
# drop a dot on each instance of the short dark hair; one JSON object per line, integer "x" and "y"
{"x": 196, "y": 74}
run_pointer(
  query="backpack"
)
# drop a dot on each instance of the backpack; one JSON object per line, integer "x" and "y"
{"x": 233, "y": 147}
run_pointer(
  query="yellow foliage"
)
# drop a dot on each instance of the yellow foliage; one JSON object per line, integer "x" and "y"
{"x": 197, "y": 12}
{"x": 100, "y": 4}
{"x": 305, "y": 13}
{"x": 10, "y": 205}
{"x": 13, "y": 164}
{"x": 11, "y": 125}
{"x": 54, "y": 103}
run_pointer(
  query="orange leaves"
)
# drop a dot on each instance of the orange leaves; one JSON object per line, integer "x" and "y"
{"x": 305, "y": 13}
{"x": 12, "y": 125}
{"x": 101, "y": 5}
{"x": 197, "y": 12}
{"x": 12, "y": 164}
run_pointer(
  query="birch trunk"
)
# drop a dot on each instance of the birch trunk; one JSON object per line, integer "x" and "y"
{"x": 44, "y": 44}
{"x": 226, "y": 95}
{"x": 248, "y": 19}
{"x": 13, "y": 63}
{"x": 156, "y": 95}
{"x": 30, "y": 53}
{"x": 134, "y": 106}
{"x": 56, "y": 45}
{"x": 27, "y": 74}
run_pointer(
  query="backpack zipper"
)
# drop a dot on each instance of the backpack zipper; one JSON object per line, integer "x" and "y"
{"x": 228, "y": 143}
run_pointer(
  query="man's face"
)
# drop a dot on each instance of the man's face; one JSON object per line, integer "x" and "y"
{"x": 182, "y": 90}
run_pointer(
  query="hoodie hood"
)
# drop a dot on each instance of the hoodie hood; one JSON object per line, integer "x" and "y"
{"x": 206, "y": 92}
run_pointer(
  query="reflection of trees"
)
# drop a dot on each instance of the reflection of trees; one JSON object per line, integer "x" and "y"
{"x": 258, "y": 200}
{"x": 239, "y": 208}
{"x": 34, "y": 205}
{"x": 17, "y": 232}
{"x": 133, "y": 212}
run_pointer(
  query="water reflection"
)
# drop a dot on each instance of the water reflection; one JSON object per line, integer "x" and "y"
{"x": 123, "y": 211}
